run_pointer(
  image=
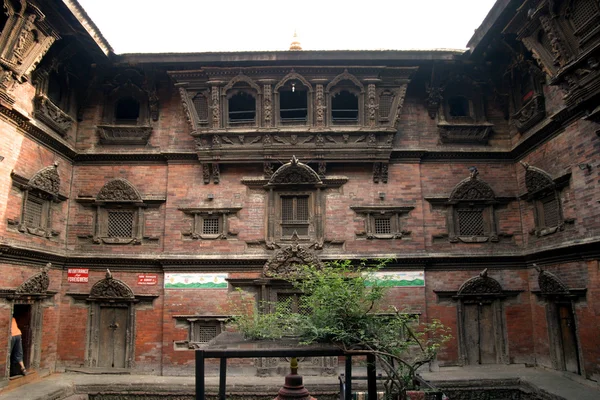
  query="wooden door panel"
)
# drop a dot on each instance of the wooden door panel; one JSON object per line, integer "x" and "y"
{"x": 487, "y": 338}
{"x": 568, "y": 338}
{"x": 112, "y": 337}
{"x": 471, "y": 321}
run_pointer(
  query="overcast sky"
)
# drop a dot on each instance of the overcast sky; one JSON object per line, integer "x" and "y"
{"x": 152, "y": 26}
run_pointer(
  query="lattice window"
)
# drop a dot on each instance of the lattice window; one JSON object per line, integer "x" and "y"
{"x": 385, "y": 104}
{"x": 204, "y": 333}
{"x": 383, "y": 226}
{"x": 583, "y": 12}
{"x": 551, "y": 212}
{"x": 210, "y": 226}
{"x": 292, "y": 303}
{"x": 470, "y": 222}
{"x": 201, "y": 106}
{"x": 294, "y": 215}
{"x": 34, "y": 208}
{"x": 120, "y": 224}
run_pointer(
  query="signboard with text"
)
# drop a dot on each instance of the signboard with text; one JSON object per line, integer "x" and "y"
{"x": 147, "y": 279}
{"x": 77, "y": 275}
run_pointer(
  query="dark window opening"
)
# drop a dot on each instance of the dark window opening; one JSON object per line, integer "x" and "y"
{"x": 550, "y": 211}
{"x": 293, "y": 105}
{"x": 344, "y": 107}
{"x": 459, "y": 106}
{"x": 34, "y": 212}
{"x": 294, "y": 215}
{"x": 127, "y": 111}
{"x": 242, "y": 108}
{"x": 3, "y": 21}
{"x": 55, "y": 90}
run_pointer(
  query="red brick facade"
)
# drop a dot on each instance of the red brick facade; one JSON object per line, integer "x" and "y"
{"x": 170, "y": 182}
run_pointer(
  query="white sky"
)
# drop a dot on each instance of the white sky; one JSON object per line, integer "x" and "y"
{"x": 152, "y": 26}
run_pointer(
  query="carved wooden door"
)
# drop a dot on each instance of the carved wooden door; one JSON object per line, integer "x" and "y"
{"x": 568, "y": 338}
{"x": 112, "y": 338}
{"x": 479, "y": 331}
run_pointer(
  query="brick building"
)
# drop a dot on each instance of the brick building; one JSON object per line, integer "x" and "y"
{"x": 186, "y": 175}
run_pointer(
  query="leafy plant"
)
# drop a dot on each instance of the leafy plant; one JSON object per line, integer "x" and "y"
{"x": 348, "y": 308}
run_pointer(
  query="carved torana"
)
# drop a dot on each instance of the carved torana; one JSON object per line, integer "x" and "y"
{"x": 472, "y": 189}
{"x": 36, "y": 284}
{"x": 295, "y": 172}
{"x": 480, "y": 285}
{"x": 286, "y": 260}
{"x": 111, "y": 288}
{"x": 118, "y": 190}
{"x": 537, "y": 180}
{"x": 47, "y": 180}
{"x": 550, "y": 283}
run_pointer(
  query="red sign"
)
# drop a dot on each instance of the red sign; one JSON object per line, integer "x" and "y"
{"x": 77, "y": 275}
{"x": 147, "y": 279}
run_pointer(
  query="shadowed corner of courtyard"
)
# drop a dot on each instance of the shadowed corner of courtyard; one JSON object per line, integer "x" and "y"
{"x": 515, "y": 381}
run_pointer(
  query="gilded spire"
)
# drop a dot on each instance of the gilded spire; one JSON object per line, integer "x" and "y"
{"x": 295, "y": 43}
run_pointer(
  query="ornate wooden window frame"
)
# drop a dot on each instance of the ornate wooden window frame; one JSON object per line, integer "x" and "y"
{"x": 43, "y": 188}
{"x": 128, "y": 83}
{"x": 293, "y": 76}
{"x": 394, "y": 214}
{"x": 242, "y": 83}
{"x": 540, "y": 187}
{"x": 472, "y": 193}
{"x": 200, "y": 214}
{"x": 119, "y": 195}
{"x": 346, "y": 81}
{"x": 56, "y": 116}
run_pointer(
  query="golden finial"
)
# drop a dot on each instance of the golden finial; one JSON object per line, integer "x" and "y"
{"x": 295, "y": 43}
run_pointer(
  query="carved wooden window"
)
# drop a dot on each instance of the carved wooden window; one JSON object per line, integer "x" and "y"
{"x": 292, "y": 303}
{"x": 385, "y": 104}
{"x": 201, "y": 329}
{"x": 543, "y": 192}
{"x": 584, "y": 17}
{"x": 201, "y": 106}
{"x": 204, "y": 331}
{"x": 459, "y": 107}
{"x": 344, "y": 107}
{"x": 471, "y": 212}
{"x": 209, "y": 223}
{"x": 120, "y": 223}
{"x": 382, "y": 222}
{"x": 470, "y": 221}
{"x": 36, "y": 213}
{"x": 242, "y": 109}
{"x": 211, "y": 226}
{"x": 295, "y": 216}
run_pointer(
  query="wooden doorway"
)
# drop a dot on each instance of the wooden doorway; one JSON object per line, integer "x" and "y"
{"x": 480, "y": 338}
{"x": 568, "y": 338}
{"x": 23, "y": 315}
{"x": 112, "y": 338}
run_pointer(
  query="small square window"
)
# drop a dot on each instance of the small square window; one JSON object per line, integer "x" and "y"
{"x": 470, "y": 222}
{"x": 210, "y": 226}
{"x": 204, "y": 333}
{"x": 383, "y": 226}
{"x": 34, "y": 208}
{"x": 120, "y": 224}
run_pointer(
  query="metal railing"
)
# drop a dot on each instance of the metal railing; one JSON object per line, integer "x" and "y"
{"x": 224, "y": 354}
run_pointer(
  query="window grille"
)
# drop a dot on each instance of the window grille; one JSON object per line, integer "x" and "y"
{"x": 287, "y": 209}
{"x": 120, "y": 224}
{"x": 383, "y": 226}
{"x": 550, "y": 209}
{"x": 201, "y": 106}
{"x": 285, "y": 302}
{"x": 33, "y": 211}
{"x": 204, "y": 333}
{"x": 302, "y": 209}
{"x": 470, "y": 222}
{"x": 583, "y": 12}
{"x": 385, "y": 104}
{"x": 210, "y": 226}
{"x": 294, "y": 215}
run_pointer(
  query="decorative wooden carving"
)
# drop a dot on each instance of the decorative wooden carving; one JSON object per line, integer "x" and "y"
{"x": 550, "y": 283}
{"x": 268, "y": 105}
{"x": 124, "y": 134}
{"x": 286, "y": 260}
{"x": 37, "y": 284}
{"x": 536, "y": 179}
{"x": 47, "y": 180}
{"x": 434, "y": 100}
{"x": 119, "y": 190}
{"x": 480, "y": 285}
{"x": 465, "y": 133}
{"x": 320, "y": 106}
{"x": 322, "y": 170}
{"x": 472, "y": 189}
{"x": 52, "y": 115}
{"x": 206, "y": 173}
{"x": 111, "y": 288}
{"x": 216, "y": 107}
{"x": 530, "y": 114}
{"x": 199, "y": 214}
{"x": 268, "y": 169}
{"x": 216, "y": 173}
{"x": 372, "y": 106}
{"x": 294, "y": 173}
